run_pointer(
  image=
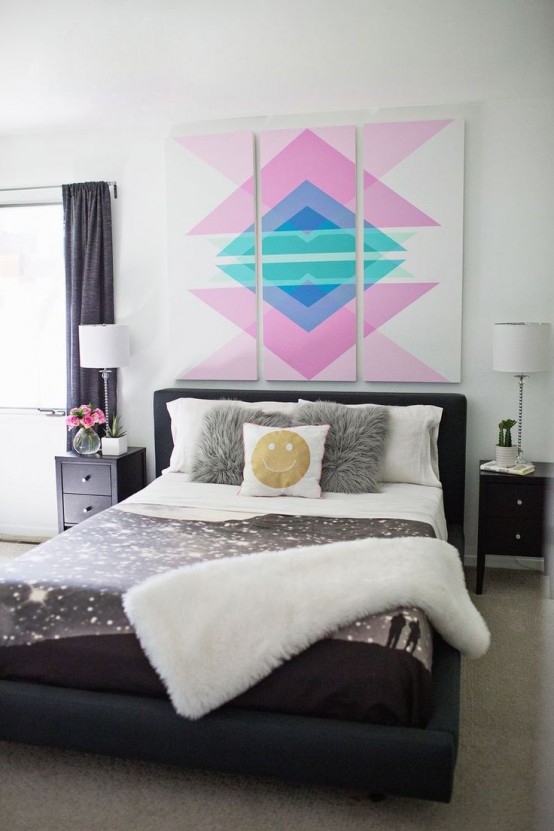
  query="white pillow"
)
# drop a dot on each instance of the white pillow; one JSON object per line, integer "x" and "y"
{"x": 283, "y": 461}
{"x": 411, "y": 453}
{"x": 187, "y": 415}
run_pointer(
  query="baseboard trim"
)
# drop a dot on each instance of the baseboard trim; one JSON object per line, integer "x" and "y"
{"x": 500, "y": 561}
{"x": 12, "y": 534}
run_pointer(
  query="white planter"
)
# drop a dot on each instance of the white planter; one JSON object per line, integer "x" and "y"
{"x": 114, "y": 447}
{"x": 506, "y": 456}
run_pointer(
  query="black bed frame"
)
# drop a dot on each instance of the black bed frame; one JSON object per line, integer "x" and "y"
{"x": 378, "y": 759}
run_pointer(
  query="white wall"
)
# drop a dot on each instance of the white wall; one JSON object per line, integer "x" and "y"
{"x": 136, "y": 161}
{"x": 27, "y": 473}
{"x": 508, "y": 246}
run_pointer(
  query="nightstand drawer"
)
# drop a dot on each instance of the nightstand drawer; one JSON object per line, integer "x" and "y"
{"x": 87, "y": 485}
{"x": 522, "y": 538}
{"x": 77, "y": 507}
{"x": 87, "y": 478}
{"x": 515, "y": 501}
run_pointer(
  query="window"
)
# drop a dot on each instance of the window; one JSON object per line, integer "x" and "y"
{"x": 32, "y": 306}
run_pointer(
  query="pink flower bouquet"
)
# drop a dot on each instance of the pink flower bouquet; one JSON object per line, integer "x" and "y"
{"x": 84, "y": 416}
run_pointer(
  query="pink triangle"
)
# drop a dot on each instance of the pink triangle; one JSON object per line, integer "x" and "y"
{"x": 237, "y": 304}
{"x": 274, "y": 141}
{"x": 236, "y": 361}
{"x": 308, "y": 158}
{"x": 232, "y": 216}
{"x": 384, "y": 208}
{"x": 340, "y": 138}
{"x": 275, "y": 369}
{"x": 385, "y": 360}
{"x": 387, "y": 144}
{"x": 230, "y": 153}
{"x": 309, "y": 352}
{"x": 343, "y": 369}
{"x": 383, "y": 301}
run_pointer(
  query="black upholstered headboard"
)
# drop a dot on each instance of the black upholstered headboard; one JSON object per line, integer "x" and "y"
{"x": 452, "y": 432}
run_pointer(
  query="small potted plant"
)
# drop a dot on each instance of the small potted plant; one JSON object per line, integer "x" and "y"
{"x": 506, "y": 453}
{"x": 114, "y": 442}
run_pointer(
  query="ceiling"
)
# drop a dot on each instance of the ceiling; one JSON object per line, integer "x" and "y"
{"x": 102, "y": 63}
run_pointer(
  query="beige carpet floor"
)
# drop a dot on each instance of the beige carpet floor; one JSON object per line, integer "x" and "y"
{"x": 504, "y": 778}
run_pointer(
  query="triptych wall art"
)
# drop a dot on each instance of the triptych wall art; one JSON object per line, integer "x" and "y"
{"x": 294, "y": 257}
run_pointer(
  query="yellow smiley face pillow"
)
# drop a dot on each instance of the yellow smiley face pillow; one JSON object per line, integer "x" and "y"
{"x": 283, "y": 461}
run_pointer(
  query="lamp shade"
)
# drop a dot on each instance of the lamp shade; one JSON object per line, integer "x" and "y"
{"x": 521, "y": 347}
{"x": 104, "y": 346}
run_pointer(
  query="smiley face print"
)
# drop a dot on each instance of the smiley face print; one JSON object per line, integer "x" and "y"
{"x": 280, "y": 459}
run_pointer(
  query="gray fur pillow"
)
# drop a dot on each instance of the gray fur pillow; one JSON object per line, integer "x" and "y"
{"x": 355, "y": 446}
{"x": 219, "y": 456}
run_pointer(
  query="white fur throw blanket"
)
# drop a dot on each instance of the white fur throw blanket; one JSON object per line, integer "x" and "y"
{"x": 214, "y": 629}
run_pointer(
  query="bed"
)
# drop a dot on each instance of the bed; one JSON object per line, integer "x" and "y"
{"x": 404, "y": 759}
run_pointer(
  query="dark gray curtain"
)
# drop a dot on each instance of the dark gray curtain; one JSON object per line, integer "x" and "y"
{"x": 89, "y": 283}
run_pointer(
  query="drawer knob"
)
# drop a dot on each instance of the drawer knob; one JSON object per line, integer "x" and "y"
{"x": 86, "y": 510}
{"x": 86, "y": 478}
{"x": 520, "y": 501}
{"x": 518, "y": 536}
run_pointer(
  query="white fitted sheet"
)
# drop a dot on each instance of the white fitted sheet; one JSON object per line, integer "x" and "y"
{"x": 174, "y": 494}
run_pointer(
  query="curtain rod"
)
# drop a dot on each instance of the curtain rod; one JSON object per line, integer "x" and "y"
{"x": 50, "y": 187}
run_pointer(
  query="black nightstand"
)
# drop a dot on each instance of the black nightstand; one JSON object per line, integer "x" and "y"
{"x": 87, "y": 485}
{"x": 511, "y": 515}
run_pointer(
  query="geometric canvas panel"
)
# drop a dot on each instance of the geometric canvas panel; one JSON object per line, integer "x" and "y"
{"x": 212, "y": 262}
{"x": 308, "y": 253}
{"x": 412, "y": 250}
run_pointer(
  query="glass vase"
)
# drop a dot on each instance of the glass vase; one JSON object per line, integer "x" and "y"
{"x": 86, "y": 441}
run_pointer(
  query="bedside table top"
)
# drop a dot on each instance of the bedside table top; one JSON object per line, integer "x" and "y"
{"x": 72, "y": 456}
{"x": 543, "y": 471}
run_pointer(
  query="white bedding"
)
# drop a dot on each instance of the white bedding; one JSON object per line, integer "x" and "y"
{"x": 176, "y": 614}
{"x": 275, "y": 604}
{"x": 171, "y": 493}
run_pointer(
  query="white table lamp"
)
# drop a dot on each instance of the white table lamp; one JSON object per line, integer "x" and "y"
{"x": 104, "y": 346}
{"x": 521, "y": 348}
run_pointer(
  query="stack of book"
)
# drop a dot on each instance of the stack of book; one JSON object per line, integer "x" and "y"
{"x": 520, "y": 468}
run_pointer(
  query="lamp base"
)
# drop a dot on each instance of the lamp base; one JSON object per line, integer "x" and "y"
{"x": 105, "y": 373}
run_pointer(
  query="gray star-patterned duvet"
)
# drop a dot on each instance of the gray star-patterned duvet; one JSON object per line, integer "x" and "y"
{"x": 62, "y": 620}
